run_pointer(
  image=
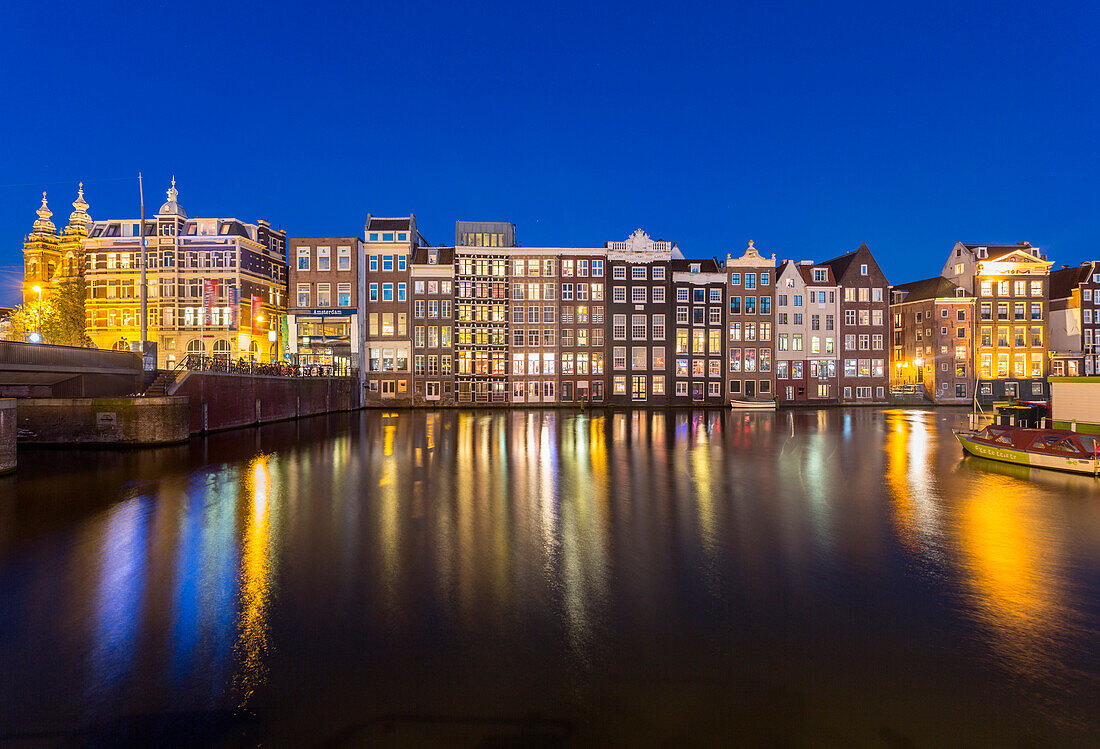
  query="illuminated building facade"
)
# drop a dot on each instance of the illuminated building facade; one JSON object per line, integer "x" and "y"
{"x": 482, "y": 258}
{"x": 384, "y": 291}
{"x": 932, "y": 339}
{"x": 640, "y": 338}
{"x": 698, "y": 299}
{"x": 432, "y": 277}
{"x": 807, "y": 312}
{"x": 323, "y": 311}
{"x": 1074, "y": 319}
{"x": 533, "y": 325}
{"x": 750, "y": 281}
{"x": 582, "y": 340}
{"x": 241, "y": 265}
{"x": 50, "y": 256}
{"x": 1010, "y": 283}
{"x": 863, "y": 327}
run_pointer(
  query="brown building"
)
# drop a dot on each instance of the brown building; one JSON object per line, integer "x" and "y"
{"x": 432, "y": 275}
{"x": 750, "y": 346}
{"x": 932, "y": 339}
{"x": 698, "y": 367}
{"x": 385, "y": 297}
{"x": 640, "y": 337}
{"x": 533, "y": 325}
{"x": 323, "y": 314}
{"x": 582, "y": 348}
{"x": 863, "y": 327}
{"x": 1073, "y": 320}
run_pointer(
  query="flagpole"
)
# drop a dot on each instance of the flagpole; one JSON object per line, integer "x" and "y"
{"x": 144, "y": 291}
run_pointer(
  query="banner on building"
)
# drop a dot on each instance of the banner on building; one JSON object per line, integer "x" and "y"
{"x": 209, "y": 299}
{"x": 234, "y": 296}
{"x": 257, "y": 316}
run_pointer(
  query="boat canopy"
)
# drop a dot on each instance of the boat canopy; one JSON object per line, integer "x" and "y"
{"x": 1050, "y": 441}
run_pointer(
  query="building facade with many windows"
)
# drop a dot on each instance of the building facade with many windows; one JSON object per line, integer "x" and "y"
{"x": 698, "y": 366}
{"x": 384, "y": 291}
{"x": 932, "y": 339}
{"x": 1073, "y": 320}
{"x": 1010, "y": 286}
{"x": 432, "y": 278}
{"x": 582, "y": 334}
{"x": 863, "y": 327}
{"x": 481, "y": 288}
{"x": 806, "y": 322}
{"x": 216, "y": 286}
{"x": 322, "y": 316}
{"x": 640, "y": 337}
{"x": 750, "y": 344}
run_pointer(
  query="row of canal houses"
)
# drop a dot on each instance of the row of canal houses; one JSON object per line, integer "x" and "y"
{"x": 488, "y": 321}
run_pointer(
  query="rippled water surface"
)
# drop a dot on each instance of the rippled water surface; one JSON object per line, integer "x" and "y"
{"x": 826, "y": 578}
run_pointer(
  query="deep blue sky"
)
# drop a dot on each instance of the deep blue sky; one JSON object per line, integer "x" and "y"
{"x": 806, "y": 127}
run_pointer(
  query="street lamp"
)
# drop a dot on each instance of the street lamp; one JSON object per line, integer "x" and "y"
{"x": 37, "y": 314}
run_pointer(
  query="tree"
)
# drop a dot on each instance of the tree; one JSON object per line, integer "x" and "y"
{"x": 64, "y": 323}
{"x": 59, "y": 319}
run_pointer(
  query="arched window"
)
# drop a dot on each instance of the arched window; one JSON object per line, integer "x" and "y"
{"x": 121, "y": 345}
{"x": 221, "y": 347}
{"x": 254, "y": 350}
{"x": 194, "y": 346}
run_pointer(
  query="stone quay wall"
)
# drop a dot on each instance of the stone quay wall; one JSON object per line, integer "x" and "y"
{"x": 7, "y": 435}
{"x": 227, "y": 401}
{"x": 102, "y": 421}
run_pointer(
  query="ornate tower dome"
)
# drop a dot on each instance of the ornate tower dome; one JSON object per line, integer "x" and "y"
{"x": 79, "y": 218}
{"x": 172, "y": 208}
{"x": 43, "y": 225}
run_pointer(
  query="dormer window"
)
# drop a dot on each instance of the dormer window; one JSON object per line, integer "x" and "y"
{"x": 695, "y": 267}
{"x": 433, "y": 257}
{"x": 960, "y": 292}
{"x": 821, "y": 275}
{"x": 983, "y": 252}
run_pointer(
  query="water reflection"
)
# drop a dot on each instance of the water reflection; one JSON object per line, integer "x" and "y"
{"x": 512, "y": 560}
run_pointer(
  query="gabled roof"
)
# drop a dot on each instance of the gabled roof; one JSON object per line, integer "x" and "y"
{"x": 1065, "y": 280}
{"x": 936, "y": 287}
{"x": 840, "y": 265}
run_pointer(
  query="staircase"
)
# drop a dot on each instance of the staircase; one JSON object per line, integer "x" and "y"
{"x": 159, "y": 387}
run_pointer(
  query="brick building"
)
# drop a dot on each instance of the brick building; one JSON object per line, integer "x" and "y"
{"x": 932, "y": 339}
{"x": 641, "y": 353}
{"x": 432, "y": 276}
{"x": 582, "y": 336}
{"x": 384, "y": 291}
{"x": 1073, "y": 333}
{"x": 807, "y": 313}
{"x": 323, "y": 312}
{"x": 863, "y": 327}
{"x": 698, "y": 368}
{"x": 750, "y": 348}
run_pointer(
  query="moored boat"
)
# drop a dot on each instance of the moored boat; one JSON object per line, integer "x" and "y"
{"x": 1057, "y": 449}
{"x": 759, "y": 405}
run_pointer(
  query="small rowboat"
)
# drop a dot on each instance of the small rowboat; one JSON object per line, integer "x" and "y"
{"x": 1057, "y": 449}
{"x": 768, "y": 405}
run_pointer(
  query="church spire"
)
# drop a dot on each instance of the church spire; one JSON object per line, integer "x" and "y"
{"x": 43, "y": 225}
{"x": 79, "y": 218}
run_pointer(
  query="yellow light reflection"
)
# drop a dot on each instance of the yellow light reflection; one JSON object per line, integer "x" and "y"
{"x": 1012, "y": 562}
{"x": 256, "y": 575}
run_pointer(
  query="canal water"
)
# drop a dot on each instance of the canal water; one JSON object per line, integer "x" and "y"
{"x": 836, "y": 578}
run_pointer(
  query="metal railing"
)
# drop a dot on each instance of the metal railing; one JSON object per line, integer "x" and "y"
{"x": 225, "y": 364}
{"x": 46, "y": 355}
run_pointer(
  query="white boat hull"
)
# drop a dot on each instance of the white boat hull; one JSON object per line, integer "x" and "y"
{"x": 757, "y": 405}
